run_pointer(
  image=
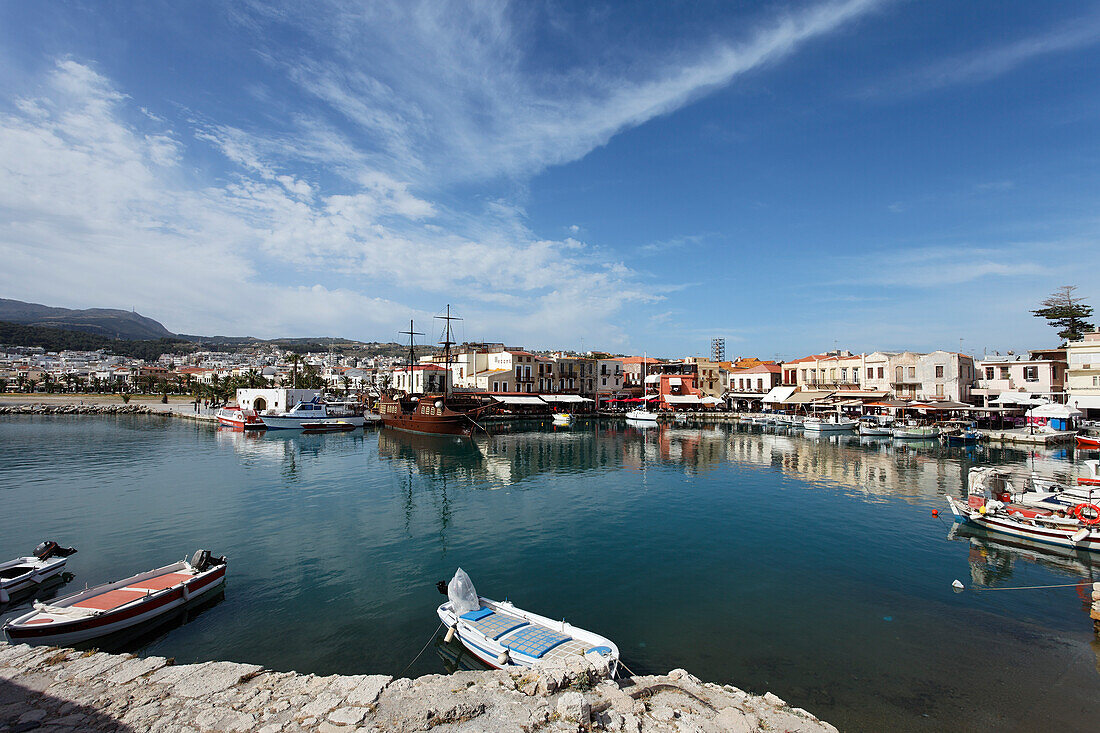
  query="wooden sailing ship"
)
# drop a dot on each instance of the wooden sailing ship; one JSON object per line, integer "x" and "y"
{"x": 443, "y": 413}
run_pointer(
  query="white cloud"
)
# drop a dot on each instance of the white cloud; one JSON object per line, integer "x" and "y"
{"x": 353, "y": 194}
{"x": 993, "y": 61}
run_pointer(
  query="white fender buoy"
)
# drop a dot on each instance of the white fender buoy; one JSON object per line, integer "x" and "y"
{"x": 186, "y": 592}
{"x": 957, "y": 585}
{"x": 450, "y": 635}
{"x": 502, "y": 658}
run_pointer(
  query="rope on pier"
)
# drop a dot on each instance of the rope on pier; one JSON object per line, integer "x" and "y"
{"x": 430, "y": 640}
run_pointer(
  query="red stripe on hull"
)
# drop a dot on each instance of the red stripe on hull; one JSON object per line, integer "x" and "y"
{"x": 111, "y": 618}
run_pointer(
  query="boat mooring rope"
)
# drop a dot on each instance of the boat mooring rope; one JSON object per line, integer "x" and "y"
{"x": 1033, "y": 587}
{"x": 628, "y": 669}
{"x": 430, "y": 639}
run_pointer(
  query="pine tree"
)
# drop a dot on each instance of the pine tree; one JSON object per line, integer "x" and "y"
{"x": 1066, "y": 311}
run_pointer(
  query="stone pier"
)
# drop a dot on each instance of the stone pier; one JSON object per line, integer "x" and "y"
{"x": 52, "y": 689}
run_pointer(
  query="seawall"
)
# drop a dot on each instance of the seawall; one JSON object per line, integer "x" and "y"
{"x": 67, "y": 690}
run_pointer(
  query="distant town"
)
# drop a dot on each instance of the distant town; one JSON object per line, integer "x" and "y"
{"x": 1069, "y": 375}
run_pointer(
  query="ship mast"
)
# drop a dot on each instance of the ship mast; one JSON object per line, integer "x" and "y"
{"x": 447, "y": 344}
{"x": 412, "y": 352}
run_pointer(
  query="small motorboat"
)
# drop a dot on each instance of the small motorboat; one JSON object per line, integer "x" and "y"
{"x": 831, "y": 424}
{"x": 875, "y": 425}
{"x": 563, "y": 418}
{"x": 915, "y": 432}
{"x": 235, "y": 417}
{"x": 502, "y": 635}
{"x": 339, "y": 426}
{"x": 1088, "y": 442}
{"x": 960, "y": 432}
{"x": 24, "y": 573}
{"x": 124, "y": 604}
{"x": 314, "y": 411}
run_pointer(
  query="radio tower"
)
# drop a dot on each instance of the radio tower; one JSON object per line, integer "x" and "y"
{"x": 718, "y": 349}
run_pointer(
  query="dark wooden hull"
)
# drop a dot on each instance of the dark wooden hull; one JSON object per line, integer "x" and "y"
{"x": 454, "y": 424}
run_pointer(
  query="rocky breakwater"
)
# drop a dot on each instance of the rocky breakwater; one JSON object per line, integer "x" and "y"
{"x": 67, "y": 690}
{"x": 42, "y": 409}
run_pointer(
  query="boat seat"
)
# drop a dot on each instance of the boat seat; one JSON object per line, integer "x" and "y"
{"x": 494, "y": 625}
{"x": 161, "y": 582}
{"x": 110, "y": 600}
{"x": 534, "y": 640}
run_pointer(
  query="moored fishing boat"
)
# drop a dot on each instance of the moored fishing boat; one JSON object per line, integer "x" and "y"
{"x": 124, "y": 604}
{"x": 875, "y": 425}
{"x": 915, "y": 432}
{"x": 25, "y": 573}
{"x": 234, "y": 417}
{"x": 1077, "y": 531}
{"x": 1088, "y": 442}
{"x": 562, "y": 418}
{"x": 502, "y": 635}
{"x": 831, "y": 424}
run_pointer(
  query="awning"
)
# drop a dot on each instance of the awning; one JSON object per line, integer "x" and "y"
{"x": 518, "y": 400}
{"x": 711, "y": 401}
{"x": 1055, "y": 410}
{"x": 652, "y": 379}
{"x": 1085, "y": 402}
{"x": 1017, "y": 398}
{"x": 683, "y": 399}
{"x": 778, "y": 394}
{"x": 748, "y": 395}
{"x": 860, "y": 394}
{"x": 804, "y": 398}
{"x": 564, "y": 398}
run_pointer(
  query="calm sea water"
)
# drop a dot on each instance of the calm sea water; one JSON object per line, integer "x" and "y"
{"x": 812, "y": 568}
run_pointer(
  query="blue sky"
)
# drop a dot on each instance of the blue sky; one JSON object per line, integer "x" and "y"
{"x": 874, "y": 174}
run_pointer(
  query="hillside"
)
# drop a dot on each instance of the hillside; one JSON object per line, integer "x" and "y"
{"x": 106, "y": 322}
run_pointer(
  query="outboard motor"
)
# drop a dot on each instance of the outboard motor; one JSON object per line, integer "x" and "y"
{"x": 441, "y": 586}
{"x": 49, "y": 548}
{"x": 203, "y": 560}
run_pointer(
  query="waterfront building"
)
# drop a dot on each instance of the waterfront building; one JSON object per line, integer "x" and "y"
{"x": 575, "y": 375}
{"x": 274, "y": 398}
{"x": 893, "y": 372}
{"x": 945, "y": 375}
{"x": 707, "y": 377}
{"x": 609, "y": 377}
{"x": 495, "y": 380}
{"x": 1083, "y": 374}
{"x": 420, "y": 379}
{"x": 831, "y": 370}
{"x": 634, "y": 370}
{"x": 1025, "y": 379}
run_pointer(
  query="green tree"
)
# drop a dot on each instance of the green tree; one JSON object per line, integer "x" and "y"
{"x": 1065, "y": 311}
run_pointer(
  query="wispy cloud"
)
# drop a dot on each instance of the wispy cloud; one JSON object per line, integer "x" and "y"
{"x": 993, "y": 61}
{"x": 446, "y": 89}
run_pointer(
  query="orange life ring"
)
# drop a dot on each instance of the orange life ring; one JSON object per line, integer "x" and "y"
{"x": 1079, "y": 510}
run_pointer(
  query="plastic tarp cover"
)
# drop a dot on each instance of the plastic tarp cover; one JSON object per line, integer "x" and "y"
{"x": 462, "y": 594}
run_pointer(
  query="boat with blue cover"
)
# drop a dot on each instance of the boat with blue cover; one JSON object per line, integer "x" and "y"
{"x": 501, "y": 635}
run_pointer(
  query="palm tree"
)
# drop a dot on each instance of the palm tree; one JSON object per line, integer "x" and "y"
{"x": 294, "y": 359}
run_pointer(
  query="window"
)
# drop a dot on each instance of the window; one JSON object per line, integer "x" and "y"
{"x": 880, "y": 372}
{"x": 1031, "y": 374}
{"x": 844, "y": 374}
{"x": 912, "y": 372}
{"x": 939, "y": 390}
{"x": 939, "y": 371}
{"x": 989, "y": 372}
{"x": 871, "y": 372}
{"x": 1004, "y": 372}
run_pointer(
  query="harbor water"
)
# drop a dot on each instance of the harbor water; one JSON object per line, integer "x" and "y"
{"x": 811, "y": 567}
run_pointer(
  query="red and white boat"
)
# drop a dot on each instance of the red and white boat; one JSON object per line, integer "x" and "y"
{"x": 1088, "y": 442}
{"x": 235, "y": 417}
{"x": 124, "y": 604}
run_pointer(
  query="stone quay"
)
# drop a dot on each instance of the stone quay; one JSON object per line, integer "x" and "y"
{"x": 52, "y": 689}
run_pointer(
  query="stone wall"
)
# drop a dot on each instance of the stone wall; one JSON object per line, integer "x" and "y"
{"x": 44, "y": 409}
{"x": 52, "y": 689}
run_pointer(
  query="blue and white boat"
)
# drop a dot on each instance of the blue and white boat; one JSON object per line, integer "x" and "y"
{"x": 314, "y": 415}
{"x": 502, "y": 635}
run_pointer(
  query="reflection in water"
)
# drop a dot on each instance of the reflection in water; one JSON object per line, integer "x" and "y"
{"x": 134, "y": 640}
{"x": 21, "y": 601}
{"x": 992, "y": 557}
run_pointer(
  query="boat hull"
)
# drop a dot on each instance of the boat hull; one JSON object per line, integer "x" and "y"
{"x": 281, "y": 422}
{"x": 431, "y": 425}
{"x": 11, "y": 587}
{"x": 1013, "y": 528}
{"x": 92, "y": 627}
{"x": 1084, "y": 441}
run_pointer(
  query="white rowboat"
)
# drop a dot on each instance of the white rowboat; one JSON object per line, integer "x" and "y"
{"x": 124, "y": 604}
{"x": 24, "y": 573}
